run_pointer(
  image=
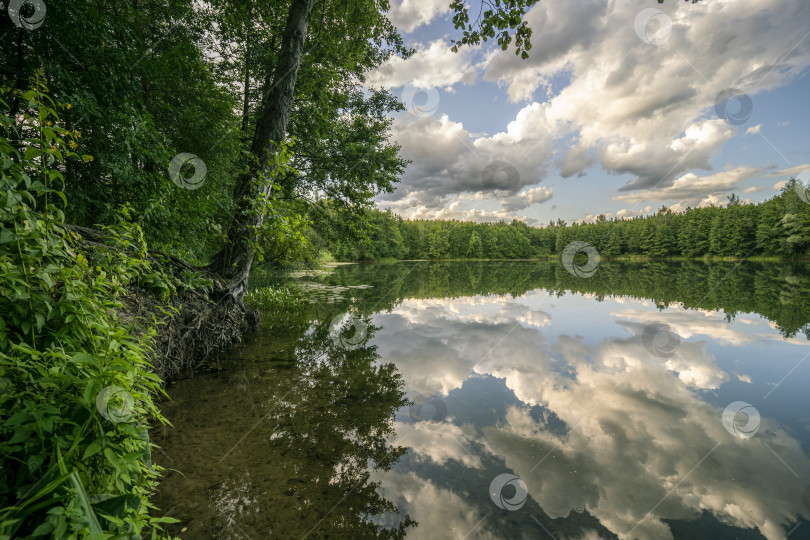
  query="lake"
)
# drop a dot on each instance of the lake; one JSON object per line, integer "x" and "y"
{"x": 508, "y": 399}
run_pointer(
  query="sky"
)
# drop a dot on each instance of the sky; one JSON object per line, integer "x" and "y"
{"x": 623, "y": 106}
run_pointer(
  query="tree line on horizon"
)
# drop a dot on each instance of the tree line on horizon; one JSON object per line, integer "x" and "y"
{"x": 778, "y": 227}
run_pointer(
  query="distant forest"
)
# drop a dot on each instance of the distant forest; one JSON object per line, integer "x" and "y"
{"x": 778, "y": 227}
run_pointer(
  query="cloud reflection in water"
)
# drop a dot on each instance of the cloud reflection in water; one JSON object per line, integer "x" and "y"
{"x": 641, "y": 447}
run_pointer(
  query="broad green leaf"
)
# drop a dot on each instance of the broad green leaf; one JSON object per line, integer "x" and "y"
{"x": 93, "y": 449}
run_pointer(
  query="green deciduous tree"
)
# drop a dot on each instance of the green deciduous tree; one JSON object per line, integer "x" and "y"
{"x": 475, "y": 249}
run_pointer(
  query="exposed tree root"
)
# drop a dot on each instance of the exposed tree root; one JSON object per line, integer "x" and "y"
{"x": 199, "y": 329}
{"x": 193, "y": 325}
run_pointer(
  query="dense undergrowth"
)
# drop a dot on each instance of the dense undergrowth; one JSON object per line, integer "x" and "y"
{"x": 76, "y": 387}
{"x": 283, "y": 308}
{"x": 271, "y": 298}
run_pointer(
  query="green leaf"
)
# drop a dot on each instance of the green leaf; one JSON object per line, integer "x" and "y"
{"x": 111, "y": 457}
{"x": 35, "y": 461}
{"x": 164, "y": 519}
{"x": 92, "y": 521}
{"x": 20, "y": 435}
{"x": 43, "y": 529}
{"x": 116, "y": 506}
{"x": 40, "y": 319}
{"x": 7, "y": 235}
{"x": 17, "y": 419}
{"x": 93, "y": 449}
{"x": 84, "y": 358}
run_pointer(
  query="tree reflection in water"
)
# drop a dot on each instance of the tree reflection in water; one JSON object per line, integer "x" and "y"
{"x": 294, "y": 431}
{"x": 295, "y": 436}
{"x": 779, "y": 291}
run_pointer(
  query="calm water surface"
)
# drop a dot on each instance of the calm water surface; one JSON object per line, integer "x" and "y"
{"x": 506, "y": 400}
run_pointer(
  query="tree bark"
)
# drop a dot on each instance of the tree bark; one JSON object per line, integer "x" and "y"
{"x": 234, "y": 261}
{"x": 246, "y": 95}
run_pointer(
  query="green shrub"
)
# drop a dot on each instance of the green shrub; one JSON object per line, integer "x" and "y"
{"x": 273, "y": 299}
{"x": 75, "y": 385}
{"x": 284, "y": 310}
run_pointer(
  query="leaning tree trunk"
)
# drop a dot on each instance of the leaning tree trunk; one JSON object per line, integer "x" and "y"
{"x": 234, "y": 261}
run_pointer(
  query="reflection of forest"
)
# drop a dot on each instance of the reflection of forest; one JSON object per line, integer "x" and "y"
{"x": 306, "y": 424}
{"x": 779, "y": 292}
{"x": 307, "y": 428}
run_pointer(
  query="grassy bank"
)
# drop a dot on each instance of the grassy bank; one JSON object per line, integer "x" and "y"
{"x": 76, "y": 385}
